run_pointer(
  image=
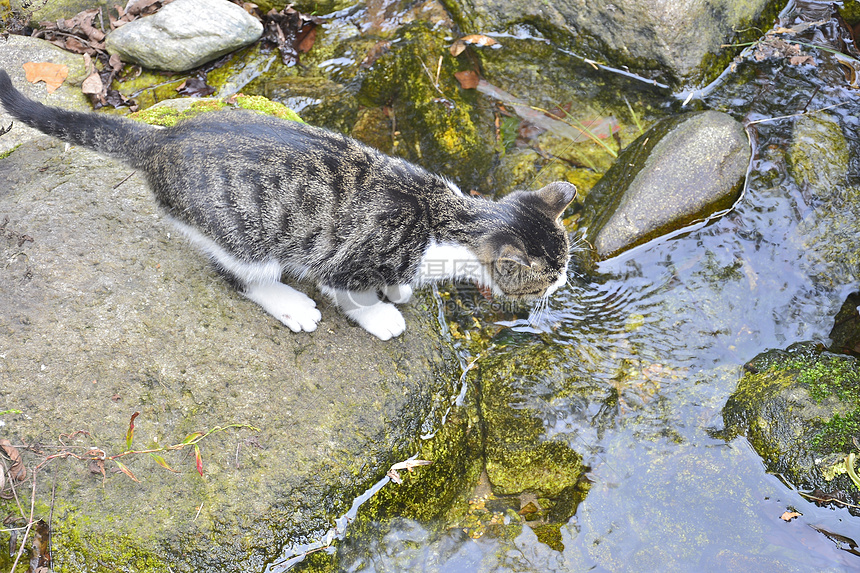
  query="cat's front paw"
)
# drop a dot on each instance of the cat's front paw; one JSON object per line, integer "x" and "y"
{"x": 382, "y": 320}
{"x": 296, "y": 310}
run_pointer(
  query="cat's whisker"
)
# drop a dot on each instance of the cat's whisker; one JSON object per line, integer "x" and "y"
{"x": 537, "y": 314}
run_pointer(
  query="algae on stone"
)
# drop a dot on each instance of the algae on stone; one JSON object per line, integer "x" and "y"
{"x": 440, "y": 121}
{"x": 669, "y": 42}
{"x": 817, "y": 137}
{"x": 800, "y": 408}
{"x": 110, "y": 315}
{"x": 169, "y": 112}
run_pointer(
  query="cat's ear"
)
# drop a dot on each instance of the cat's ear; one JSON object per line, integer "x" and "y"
{"x": 555, "y": 198}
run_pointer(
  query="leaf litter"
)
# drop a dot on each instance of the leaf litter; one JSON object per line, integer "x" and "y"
{"x": 290, "y": 31}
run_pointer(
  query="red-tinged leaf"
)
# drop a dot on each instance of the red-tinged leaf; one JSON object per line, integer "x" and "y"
{"x": 126, "y": 471}
{"x": 199, "y": 459}
{"x": 191, "y": 437}
{"x": 160, "y": 461}
{"x": 129, "y": 436}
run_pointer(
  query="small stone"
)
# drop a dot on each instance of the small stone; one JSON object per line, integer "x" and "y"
{"x": 681, "y": 171}
{"x": 185, "y": 34}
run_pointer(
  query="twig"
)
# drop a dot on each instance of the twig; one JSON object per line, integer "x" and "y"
{"x": 12, "y": 486}
{"x": 124, "y": 180}
{"x": 794, "y": 114}
{"x": 430, "y": 75}
{"x": 29, "y": 523}
{"x": 827, "y": 500}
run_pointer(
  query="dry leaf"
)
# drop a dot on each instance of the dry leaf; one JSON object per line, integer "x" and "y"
{"x": 789, "y": 515}
{"x": 52, "y": 74}
{"x": 472, "y": 40}
{"x": 17, "y": 471}
{"x": 800, "y": 60}
{"x": 468, "y": 79}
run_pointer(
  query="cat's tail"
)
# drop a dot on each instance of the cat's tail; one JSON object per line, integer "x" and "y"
{"x": 115, "y": 136}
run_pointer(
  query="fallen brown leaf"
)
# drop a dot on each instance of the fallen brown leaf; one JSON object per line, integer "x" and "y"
{"x": 93, "y": 84}
{"x": 471, "y": 40}
{"x": 40, "y": 560}
{"x": 17, "y": 471}
{"x": 800, "y": 60}
{"x": 52, "y": 74}
{"x": 789, "y": 515}
{"x": 468, "y": 79}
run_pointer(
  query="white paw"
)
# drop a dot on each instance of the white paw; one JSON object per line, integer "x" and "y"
{"x": 295, "y": 309}
{"x": 382, "y": 320}
{"x": 398, "y": 294}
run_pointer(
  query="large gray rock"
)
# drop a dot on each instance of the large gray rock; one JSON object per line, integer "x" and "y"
{"x": 185, "y": 34}
{"x": 682, "y": 170}
{"x": 640, "y": 34}
{"x": 105, "y": 310}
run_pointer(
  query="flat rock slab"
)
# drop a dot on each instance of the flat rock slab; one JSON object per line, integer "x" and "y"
{"x": 185, "y": 34}
{"x": 681, "y": 171}
{"x": 652, "y": 35}
{"x": 106, "y": 311}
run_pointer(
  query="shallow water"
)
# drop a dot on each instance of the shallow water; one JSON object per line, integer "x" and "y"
{"x": 647, "y": 352}
{"x": 668, "y": 329}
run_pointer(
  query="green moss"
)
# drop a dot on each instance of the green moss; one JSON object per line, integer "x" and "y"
{"x": 799, "y": 408}
{"x": 518, "y": 457}
{"x": 167, "y": 116}
{"x": 816, "y": 136}
{"x": 549, "y": 534}
{"x": 9, "y": 152}
{"x": 438, "y": 128}
{"x": 850, "y": 11}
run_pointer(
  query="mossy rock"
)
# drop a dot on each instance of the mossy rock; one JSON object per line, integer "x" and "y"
{"x": 169, "y": 112}
{"x": 440, "y": 125}
{"x": 683, "y": 170}
{"x": 800, "y": 410}
{"x": 519, "y": 458}
{"x": 817, "y": 137}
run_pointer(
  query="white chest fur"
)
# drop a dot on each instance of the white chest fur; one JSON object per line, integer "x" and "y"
{"x": 443, "y": 261}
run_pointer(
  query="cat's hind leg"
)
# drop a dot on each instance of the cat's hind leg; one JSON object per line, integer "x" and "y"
{"x": 259, "y": 281}
{"x": 381, "y": 319}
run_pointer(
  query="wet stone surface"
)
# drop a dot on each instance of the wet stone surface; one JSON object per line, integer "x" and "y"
{"x": 107, "y": 311}
{"x": 800, "y": 409}
{"x": 683, "y": 170}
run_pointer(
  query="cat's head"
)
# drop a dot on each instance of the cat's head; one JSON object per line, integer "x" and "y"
{"x": 527, "y": 255}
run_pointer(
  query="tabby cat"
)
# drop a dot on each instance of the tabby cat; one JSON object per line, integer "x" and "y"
{"x": 263, "y": 196}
